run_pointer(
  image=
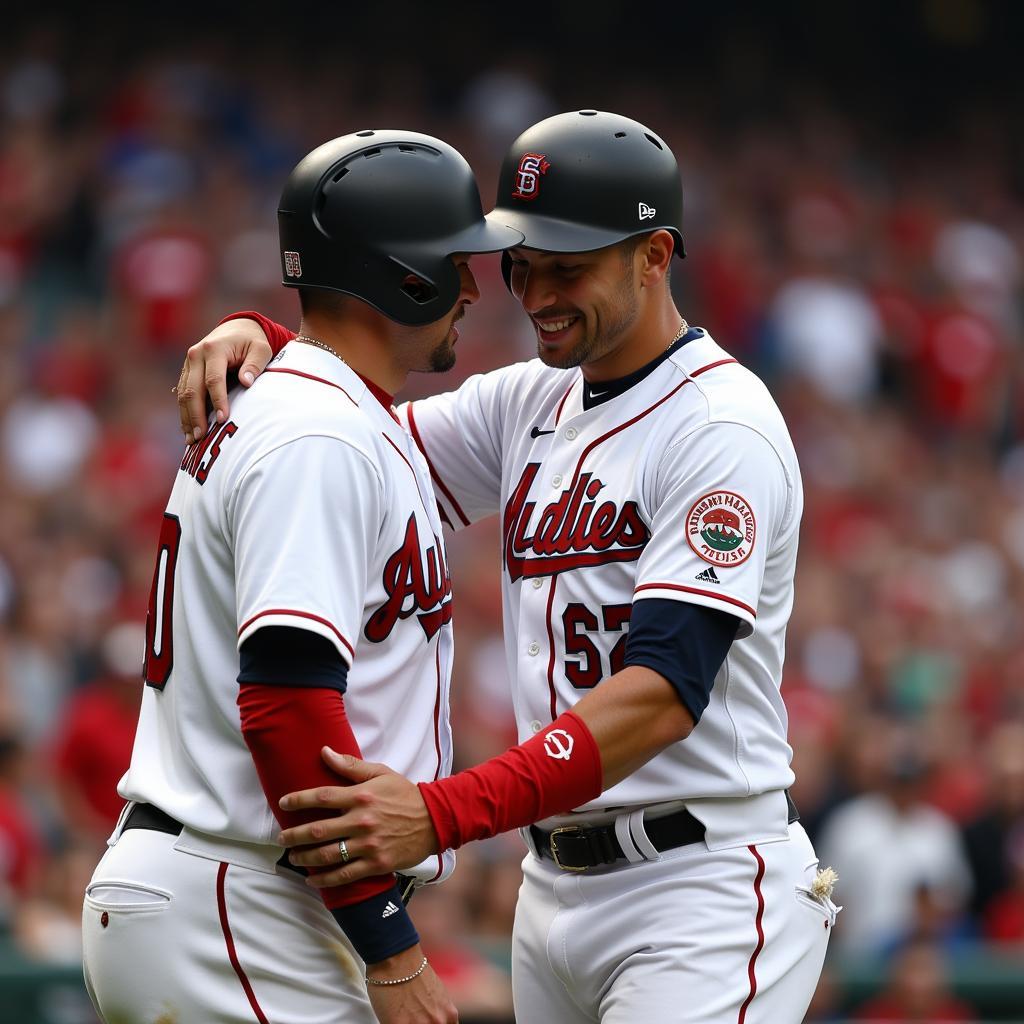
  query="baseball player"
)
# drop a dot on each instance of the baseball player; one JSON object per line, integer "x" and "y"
{"x": 650, "y": 502}
{"x": 301, "y": 555}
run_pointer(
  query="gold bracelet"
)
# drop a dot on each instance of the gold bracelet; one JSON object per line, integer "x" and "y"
{"x": 399, "y": 981}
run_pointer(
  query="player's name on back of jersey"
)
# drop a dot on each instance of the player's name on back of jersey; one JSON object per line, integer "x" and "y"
{"x": 200, "y": 456}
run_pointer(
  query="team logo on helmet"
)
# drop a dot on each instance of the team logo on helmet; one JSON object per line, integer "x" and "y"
{"x": 531, "y": 167}
{"x": 292, "y": 264}
{"x": 720, "y": 528}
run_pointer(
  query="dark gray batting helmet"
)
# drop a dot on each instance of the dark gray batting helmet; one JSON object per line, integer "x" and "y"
{"x": 588, "y": 179}
{"x": 362, "y": 212}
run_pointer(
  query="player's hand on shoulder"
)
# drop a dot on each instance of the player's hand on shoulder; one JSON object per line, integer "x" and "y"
{"x": 237, "y": 344}
{"x": 423, "y": 1000}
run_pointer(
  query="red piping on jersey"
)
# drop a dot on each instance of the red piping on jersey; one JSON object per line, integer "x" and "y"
{"x": 695, "y": 590}
{"x": 433, "y": 472}
{"x": 711, "y": 366}
{"x": 415, "y": 478}
{"x": 558, "y": 411}
{"x": 760, "y": 934}
{"x": 302, "y": 615}
{"x": 437, "y": 742}
{"x": 400, "y": 455}
{"x": 319, "y": 380}
{"x": 622, "y": 426}
{"x": 437, "y": 711}
{"x": 222, "y": 910}
{"x": 423, "y": 501}
{"x": 551, "y": 648}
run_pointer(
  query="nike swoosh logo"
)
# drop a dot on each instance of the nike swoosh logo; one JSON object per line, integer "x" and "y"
{"x": 536, "y": 432}
{"x": 597, "y": 394}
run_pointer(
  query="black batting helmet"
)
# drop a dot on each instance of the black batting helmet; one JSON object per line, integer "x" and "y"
{"x": 362, "y": 212}
{"x": 587, "y": 179}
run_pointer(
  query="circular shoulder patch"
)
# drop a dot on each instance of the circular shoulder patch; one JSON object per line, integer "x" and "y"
{"x": 720, "y": 528}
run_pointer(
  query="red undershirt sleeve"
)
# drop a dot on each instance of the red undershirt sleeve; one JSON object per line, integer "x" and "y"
{"x": 284, "y": 728}
{"x": 277, "y": 335}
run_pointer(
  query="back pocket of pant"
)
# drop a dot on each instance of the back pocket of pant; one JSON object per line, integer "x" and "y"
{"x": 125, "y": 897}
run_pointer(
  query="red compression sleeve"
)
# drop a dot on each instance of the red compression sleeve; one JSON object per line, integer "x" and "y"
{"x": 277, "y": 335}
{"x": 551, "y": 773}
{"x": 284, "y": 728}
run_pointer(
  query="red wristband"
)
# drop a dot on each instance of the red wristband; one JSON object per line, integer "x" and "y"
{"x": 277, "y": 335}
{"x": 555, "y": 771}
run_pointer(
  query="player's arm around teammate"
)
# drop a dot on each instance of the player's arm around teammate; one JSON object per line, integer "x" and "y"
{"x": 387, "y": 822}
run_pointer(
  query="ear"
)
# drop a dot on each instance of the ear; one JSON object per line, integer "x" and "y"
{"x": 655, "y": 252}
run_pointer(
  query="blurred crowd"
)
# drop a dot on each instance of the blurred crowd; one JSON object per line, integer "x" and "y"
{"x": 875, "y": 284}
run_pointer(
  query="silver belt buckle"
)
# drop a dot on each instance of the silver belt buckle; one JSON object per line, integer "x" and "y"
{"x": 554, "y": 847}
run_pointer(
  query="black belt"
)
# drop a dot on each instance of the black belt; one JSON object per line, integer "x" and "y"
{"x": 149, "y": 817}
{"x": 578, "y": 847}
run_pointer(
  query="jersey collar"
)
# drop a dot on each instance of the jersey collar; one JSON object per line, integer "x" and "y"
{"x": 308, "y": 361}
{"x": 702, "y": 352}
{"x": 605, "y": 390}
{"x": 325, "y": 366}
{"x": 387, "y": 401}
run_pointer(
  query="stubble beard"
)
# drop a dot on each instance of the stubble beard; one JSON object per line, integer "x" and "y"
{"x": 442, "y": 358}
{"x": 617, "y": 316}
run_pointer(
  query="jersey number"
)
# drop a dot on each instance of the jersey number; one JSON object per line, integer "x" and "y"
{"x": 159, "y": 643}
{"x": 577, "y": 621}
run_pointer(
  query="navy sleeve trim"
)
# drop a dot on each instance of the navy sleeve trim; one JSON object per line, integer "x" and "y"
{"x": 378, "y": 927}
{"x": 686, "y": 643}
{"x": 289, "y": 656}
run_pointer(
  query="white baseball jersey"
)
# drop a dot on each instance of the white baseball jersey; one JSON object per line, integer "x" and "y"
{"x": 311, "y": 508}
{"x": 685, "y": 487}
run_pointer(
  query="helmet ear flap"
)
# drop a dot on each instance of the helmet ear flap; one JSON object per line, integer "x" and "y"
{"x": 506, "y": 270}
{"x": 429, "y": 297}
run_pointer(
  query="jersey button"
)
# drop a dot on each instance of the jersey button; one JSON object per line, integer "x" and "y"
{"x": 536, "y": 725}
{"x": 537, "y": 582}
{"x": 534, "y": 649}
{"x": 571, "y": 434}
{"x": 556, "y": 480}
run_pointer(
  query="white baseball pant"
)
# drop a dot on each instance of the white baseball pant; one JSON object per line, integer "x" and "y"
{"x": 172, "y": 936}
{"x": 733, "y": 936}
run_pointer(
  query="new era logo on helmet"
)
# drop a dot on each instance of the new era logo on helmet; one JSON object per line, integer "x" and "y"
{"x": 292, "y": 264}
{"x": 646, "y": 212}
{"x": 531, "y": 167}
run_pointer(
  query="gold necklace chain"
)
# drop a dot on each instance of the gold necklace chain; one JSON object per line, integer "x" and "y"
{"x": 319, "y": 344}
{"x": 683, "y": 328}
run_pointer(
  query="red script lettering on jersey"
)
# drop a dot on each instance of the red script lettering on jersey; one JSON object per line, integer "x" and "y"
{"x": 413, "y": 586}
{"x": 572, "y": 532}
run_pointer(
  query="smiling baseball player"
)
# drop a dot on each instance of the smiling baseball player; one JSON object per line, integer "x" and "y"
{"x": 650, "y": 502}
{"x": 300, "y": 560}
